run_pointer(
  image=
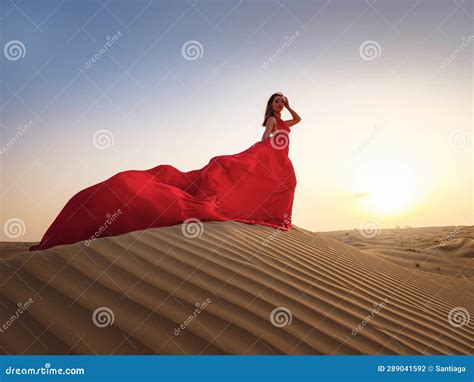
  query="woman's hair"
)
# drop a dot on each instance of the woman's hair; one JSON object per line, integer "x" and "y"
{"x": 269, "y": 109}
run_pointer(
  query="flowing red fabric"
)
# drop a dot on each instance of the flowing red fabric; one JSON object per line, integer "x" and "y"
{"x": 255, "y": 186}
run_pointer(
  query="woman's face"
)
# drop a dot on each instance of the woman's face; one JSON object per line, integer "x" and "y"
{"x": 277, "y": 104}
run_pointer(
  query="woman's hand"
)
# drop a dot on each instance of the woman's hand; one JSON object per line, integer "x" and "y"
{"x": 296, "y": 118}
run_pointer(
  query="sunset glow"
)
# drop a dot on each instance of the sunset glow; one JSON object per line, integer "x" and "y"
{"x": 386, "y": 187}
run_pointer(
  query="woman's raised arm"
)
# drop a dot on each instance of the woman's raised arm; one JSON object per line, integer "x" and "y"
{"x": 296, "y": 118}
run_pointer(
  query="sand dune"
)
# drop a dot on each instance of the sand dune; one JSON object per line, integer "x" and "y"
{"x": 8, "y": 249}
{"x": 235, "y": 289}
{"x": 445, "y": 251}
{"x": 463, "y": 247}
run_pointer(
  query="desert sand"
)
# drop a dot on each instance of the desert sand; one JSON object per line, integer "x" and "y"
{"x": 240, "y": 289}
{"x": 440, "y": 250}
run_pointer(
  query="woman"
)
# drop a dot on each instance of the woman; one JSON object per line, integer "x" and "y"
{"x": 255, "y": 186}
{"x": 275, "y": 105}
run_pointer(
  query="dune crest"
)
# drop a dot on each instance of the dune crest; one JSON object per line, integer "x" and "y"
{"x": 463, "y": 247}
{"x": 227, "y": 288}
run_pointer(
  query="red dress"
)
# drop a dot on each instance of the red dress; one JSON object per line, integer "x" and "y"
{"x": 255, "y": 186}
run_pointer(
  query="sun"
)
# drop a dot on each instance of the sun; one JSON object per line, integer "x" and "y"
{"x": 385, "y": 187}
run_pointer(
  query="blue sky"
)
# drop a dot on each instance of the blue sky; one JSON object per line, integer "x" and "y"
{"x": 371, "y": 80}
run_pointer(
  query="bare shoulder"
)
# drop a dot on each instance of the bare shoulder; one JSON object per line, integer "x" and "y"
{"x": 271, "y": 121}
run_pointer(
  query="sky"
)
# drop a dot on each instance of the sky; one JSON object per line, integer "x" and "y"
{"x": 384, "y": 89}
